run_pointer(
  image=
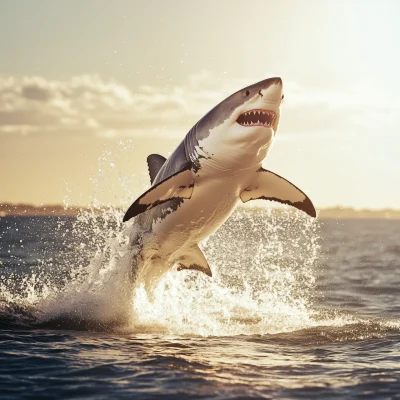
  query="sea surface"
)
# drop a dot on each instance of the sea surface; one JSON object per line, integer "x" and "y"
{"x": 296, "y": 309}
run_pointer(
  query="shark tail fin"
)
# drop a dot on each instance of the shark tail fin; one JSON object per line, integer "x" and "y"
{"x": 154, "y": 163}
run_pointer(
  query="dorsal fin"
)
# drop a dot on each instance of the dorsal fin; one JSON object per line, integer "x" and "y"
{"x": 155, "y": 162}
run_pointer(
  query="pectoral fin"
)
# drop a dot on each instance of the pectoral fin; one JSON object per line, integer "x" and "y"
{"x": 177, "y": 186}
{"x": 270, "y": 186}
{"x": 195, "y": 260}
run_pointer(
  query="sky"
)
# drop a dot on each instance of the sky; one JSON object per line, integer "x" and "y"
{"x": 89, "y": 88}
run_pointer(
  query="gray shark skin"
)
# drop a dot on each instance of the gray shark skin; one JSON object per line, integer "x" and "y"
{"x": 216, "y": 165}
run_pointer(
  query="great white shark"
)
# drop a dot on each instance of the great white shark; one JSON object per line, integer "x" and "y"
{"x": 216, "y": 166}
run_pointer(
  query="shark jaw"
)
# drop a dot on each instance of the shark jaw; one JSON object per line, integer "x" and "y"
{"x": 257, "y": 117}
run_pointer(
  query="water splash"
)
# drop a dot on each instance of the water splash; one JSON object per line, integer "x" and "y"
{"x": 263, "y": 280}
{"x": 86, "y": 282}
{"x": 264, "y": 266}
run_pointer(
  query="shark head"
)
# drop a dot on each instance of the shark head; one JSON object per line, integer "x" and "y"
{"x": 261, "y": 109}
{"x": 244, "y": 124}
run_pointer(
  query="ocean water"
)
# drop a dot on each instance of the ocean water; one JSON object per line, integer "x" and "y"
{"x": 296, "y": 309}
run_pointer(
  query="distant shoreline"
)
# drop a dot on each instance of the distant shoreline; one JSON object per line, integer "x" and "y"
{"x": 29, "y": 210}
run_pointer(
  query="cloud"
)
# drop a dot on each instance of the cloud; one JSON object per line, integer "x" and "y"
{"x": 89, "y": 105}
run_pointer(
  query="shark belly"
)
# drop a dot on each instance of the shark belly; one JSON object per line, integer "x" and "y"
{"x": 211, "y": 204}
{"x": 178, "y": 234}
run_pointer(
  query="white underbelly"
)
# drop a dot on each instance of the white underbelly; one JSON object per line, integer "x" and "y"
{"x": 212, "y": 202}
{"x": 210, "y": 205}
{"x": 174, "y": 236}
{"x": 215, "y": 196}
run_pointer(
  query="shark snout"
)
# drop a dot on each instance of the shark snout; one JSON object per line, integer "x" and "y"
{"x": 272, "y": 92}
{"x": 277, "y": 81}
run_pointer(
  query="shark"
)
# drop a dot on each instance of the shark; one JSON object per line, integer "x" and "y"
{"x": 217, "y": 166}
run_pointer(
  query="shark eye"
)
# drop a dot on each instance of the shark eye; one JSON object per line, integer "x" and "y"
{"x": 247, "y": 92}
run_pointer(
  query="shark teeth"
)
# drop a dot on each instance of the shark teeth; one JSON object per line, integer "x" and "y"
{"x": 257, "y": 118}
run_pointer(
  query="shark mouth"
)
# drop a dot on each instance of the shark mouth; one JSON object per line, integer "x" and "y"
{"x": 257, "y": 118}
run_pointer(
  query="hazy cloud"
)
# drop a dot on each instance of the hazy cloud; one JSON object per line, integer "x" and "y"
{"x": 89, "y": 105}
